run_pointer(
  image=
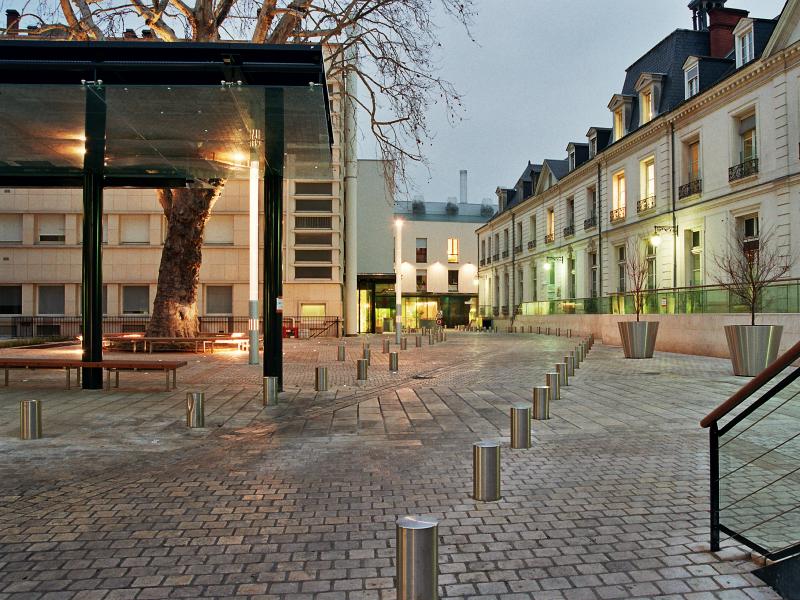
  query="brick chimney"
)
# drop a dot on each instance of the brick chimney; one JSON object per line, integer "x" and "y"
{"x": 12, "y": 22}
{"x": 722, "y": 22}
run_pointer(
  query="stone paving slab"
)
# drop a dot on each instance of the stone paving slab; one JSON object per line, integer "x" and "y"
{"x": 299, "y": 501}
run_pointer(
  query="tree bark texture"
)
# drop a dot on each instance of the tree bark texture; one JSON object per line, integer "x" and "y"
{"x": 175, "y": 305}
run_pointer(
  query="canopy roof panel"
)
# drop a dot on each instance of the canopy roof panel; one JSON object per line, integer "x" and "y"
{"x": 190, "y": 124}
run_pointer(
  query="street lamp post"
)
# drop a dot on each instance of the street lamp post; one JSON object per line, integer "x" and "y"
{"x": 398, "y": 261}
{"x": 255, "y": 142}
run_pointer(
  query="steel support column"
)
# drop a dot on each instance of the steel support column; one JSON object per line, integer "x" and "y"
{"x": 92, "y": 281}
{"x": 273, "y": 236}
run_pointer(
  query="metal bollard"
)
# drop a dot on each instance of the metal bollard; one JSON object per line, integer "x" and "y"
{"x": 431, "y": 339}
{"x": 547, "y": 331}
{"x": 419, "y": 341}
{"x": 30, "y": 419}
{"x": 361, "y": 369}
{"x": 541, "y": 403}
{"x": 386, "y": 346}
{"x": 393, "y": 362}
{"x": 563, "y": 376}
{"x": 403, "y": 343}
{"x": 486, "y": 471}
{"x": 558, "y": 331}
{"x": 195, "y": 409}
{"x": 579, "y": 354}
{"x": 342, "y": 351}
{"x": 365, "y": 355}
{"x": 520, "y": 426}
{"x": 417, "y": 558}
{"x": 570, "y": 362}
{"x": 539, "y": 329}
{"x": 321, "y": 379}
{"x": 553, "y": 381}
{"x": 270, "y": 391}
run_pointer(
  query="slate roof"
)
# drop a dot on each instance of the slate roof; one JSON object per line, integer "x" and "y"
{"x": 581, "y": 152}
{"x": 559, "y": 168}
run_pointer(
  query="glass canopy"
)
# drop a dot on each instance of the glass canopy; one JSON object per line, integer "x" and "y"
{"x": 189, "y": 132}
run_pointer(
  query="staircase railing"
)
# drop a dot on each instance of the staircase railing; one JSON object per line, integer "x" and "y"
{"x": 755, "y": 462}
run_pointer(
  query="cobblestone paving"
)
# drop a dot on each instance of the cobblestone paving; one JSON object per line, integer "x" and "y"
{"x": 299, "y": 501}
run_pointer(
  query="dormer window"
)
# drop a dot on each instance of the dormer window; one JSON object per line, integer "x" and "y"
{"x": 619, "y": 124}
{"x": 745, "y": 48}
{"x": 646, "y": 106}
{"x": 593, "y": 146}
{"x": 648, "y": 86}
{"x": 572, "y": 160}
{"x": 692, "y": 80}
{"x": 620, "y": 107}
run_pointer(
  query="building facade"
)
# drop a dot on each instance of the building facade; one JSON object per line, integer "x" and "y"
{"x": 438, "y": 250}
{"x": 702, "y": 147}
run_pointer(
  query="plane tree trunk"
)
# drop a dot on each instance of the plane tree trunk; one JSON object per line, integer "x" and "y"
{"x": 175, "y": 306}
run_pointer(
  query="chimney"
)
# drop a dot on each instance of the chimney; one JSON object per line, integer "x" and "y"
{"x": 12, "y": 22}
{"x": 462, "y": 198}
{"x": 129, "y": 34}
{"x": 722, "y": 23}
{"x": 147, "y": 34}
{"x": 700, "y": 10}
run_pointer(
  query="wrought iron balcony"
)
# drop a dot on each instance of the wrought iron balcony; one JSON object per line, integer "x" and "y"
{"x": 496, "y": 257}
{"x": 550, "y": 238}
{"x": 690, "y": 189}
{"x": 496, "y": 311}
{"x": 531, "y": 244}
{"x": 590, "y": 222}
{"x": 505, "y": 310}
{"x": 488, "y": 260}
{"x": 483, "y": 261}
{"x": 505, "y": 253}
{"x": 518, "y": 249}
{"x": 646, "y": 204}
{"x": 617, "y": 215}
{"x": 569, "y": 230}
{"x": 745, "y": 169}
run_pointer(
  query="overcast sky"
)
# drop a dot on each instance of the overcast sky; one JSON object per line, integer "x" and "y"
{"x": 541, "y": 73}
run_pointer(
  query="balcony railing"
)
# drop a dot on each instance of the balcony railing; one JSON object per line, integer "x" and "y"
{"x": 745, "y": 169}
{"x": 550, "y": 238}
{"x": 505, "y": 253}
{"x": 569, "y": 230}
{"x": 618, "y": 214}
{"x": 505, "y": 310}
{"x": 496, "y": 257}
{"x": 483, "y": 261}
{"x": 531, "y": 244}
{"x": 646, "y": 204}
{"x": 496, "y": 311}
{"x": 518, "y": 249}
{"x": 590, "y": 222}
{"x": 690, "y": 189}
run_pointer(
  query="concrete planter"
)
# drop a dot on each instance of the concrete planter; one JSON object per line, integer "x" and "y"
{"x": 638, "y": 338}
{"x": 753, "y": 347}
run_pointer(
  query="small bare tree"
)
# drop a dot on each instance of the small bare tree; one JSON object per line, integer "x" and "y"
{"x": 750, "y": 264}
{"x": 636, "y": 270}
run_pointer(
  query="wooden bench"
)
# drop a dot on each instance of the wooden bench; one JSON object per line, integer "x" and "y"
{"x": 112, "y": 365}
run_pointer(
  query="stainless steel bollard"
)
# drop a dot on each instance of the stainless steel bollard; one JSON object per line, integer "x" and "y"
{"x": 558, "y": 331}
{"x": 579, "y": 353}
{"x": 270, "y": 391}
{"x": 431, "y": 339}
{"x": 563, "y": 376}
{"x": 361, "y": 369}
{"x": 393, "y": 362}
{"x": 417, "y": 558}
{"x": 419, "y": 341}
{"x": 30, "y": 419}
{"x": 365, "y": 355}
{"x": 520, "y": 426}
{"x": 541, "y": 403}
{"x": 403, "y": 343}
{"x": 570, "y": 361}
{"x": 321, "y": 379}
{"x": 539, "y": 329}
{"x": 486, "y": 471}
{"x": 547, "y": 331}
{"x": 195, "y": 409}
{"x": 553, "y": 381}
{"x": 341, "y": 353}
{"x": 386, "y": 346}
{"x": 569, "y": 332}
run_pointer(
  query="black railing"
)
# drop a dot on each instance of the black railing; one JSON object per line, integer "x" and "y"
{"x": 496, "y": 311}
{"x": 488, "y": 260}
{"x": 549, "y": 238}
{"x": 496, "y": 257}
{"x": 71, "y": 327}
{"x": 690, "y": 189}
{"x": 505, "y": 310}
{"x": 483, "y": 262}
{"x": 646, "y": 204}
{"x": 531, "y": 244}
{"x": 569, "y": 230}
{"x": 742, "y": 170}
{"x": 755, "y": 461}
{"x": 505, "y": 253}
{"x": 590, "y": 222}
{"x": 618, "y": 214}
{"x": 518, "y": 248}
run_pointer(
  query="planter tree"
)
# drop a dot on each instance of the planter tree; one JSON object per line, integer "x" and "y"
{"x": 636, "y": 271}
{"x": 396, "y": 40}
{"x": 748, "y": 266}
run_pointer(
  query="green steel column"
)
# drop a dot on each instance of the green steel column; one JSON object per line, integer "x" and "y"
{"x": 92, "y": 288}
{"x": 273, "y": 230}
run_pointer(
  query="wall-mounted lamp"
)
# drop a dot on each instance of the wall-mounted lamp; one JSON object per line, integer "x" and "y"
{"x": 556, "y": 259}
{"x": 655, "y": 239}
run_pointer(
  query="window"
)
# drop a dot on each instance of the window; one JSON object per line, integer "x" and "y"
{"x": 652, "y": 277}
{"x": 695, "y": 258}
{"x": 422, "y": 250}
{"x": 646, "y": 107}
{"x": 535, "y": 282}
{"x": 313, "y": 205}
{"x": 533, "y": 232}
{"x": 551, "y": 224}
{"x": 313, "y": 222}
{"x": 313, "y": 272}
{"x": 50, "y": 229}
{"x": 520, "y": 288}
{"x": 744, "y": 48}
{"x": 692, "y": 75}
{"x": 571, "y": 278}
{"x": 505, "y": 241}
{"x": 313, "y": 239}
{"x": 571, "y": 212}
{"x": 11, "y": 229}
{"x": 571, "y": 160}
{"x": 647, "y": 178}
{"x": 312, "y": 310}
{"x": 135, "y": 229}
{"x": 693, "y": 151}
{"x": 105, "y": 229}
{"x": 452, "y": 250}
{"x": 422, "y": 280}
{"x": 496, "y": 246}
{"x": 10, "y": 299}
{"x": 135, "y": 299}
{"x": 313, "y": 188}
{"x": 619, "y": 124}
{"x": 219, "y": 230}
{"x": 312, "y": 256}
{"x": 592, "y": 146}
{"x": 219, "y": 299}
{"x": 591, "y": 205}
{"x": 51, "y": 300}
{"x": 747, "y": 139}
{"x": 748, "y": 226}
{"x": 619, "y": 196}
{"x": 593, "y": 274}
{"x": 452, "y": 280}
{"x": 621, "y": 269}
{"x": 483, "y": 249}
{"x": 518, "y": 235}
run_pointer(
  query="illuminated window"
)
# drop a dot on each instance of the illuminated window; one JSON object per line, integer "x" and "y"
{"x": 648, "y": 178}
{"x": 551, "y": 223}
{"x": 646, "y": 107}
{"x": 621, "y": 269}
{"x": 619, "y": 196}
{"x": 693, "y": 151}
{"x": 452, "y": 250}
{"x": 619, "y": 124}
{"x": 422, "y": 280}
